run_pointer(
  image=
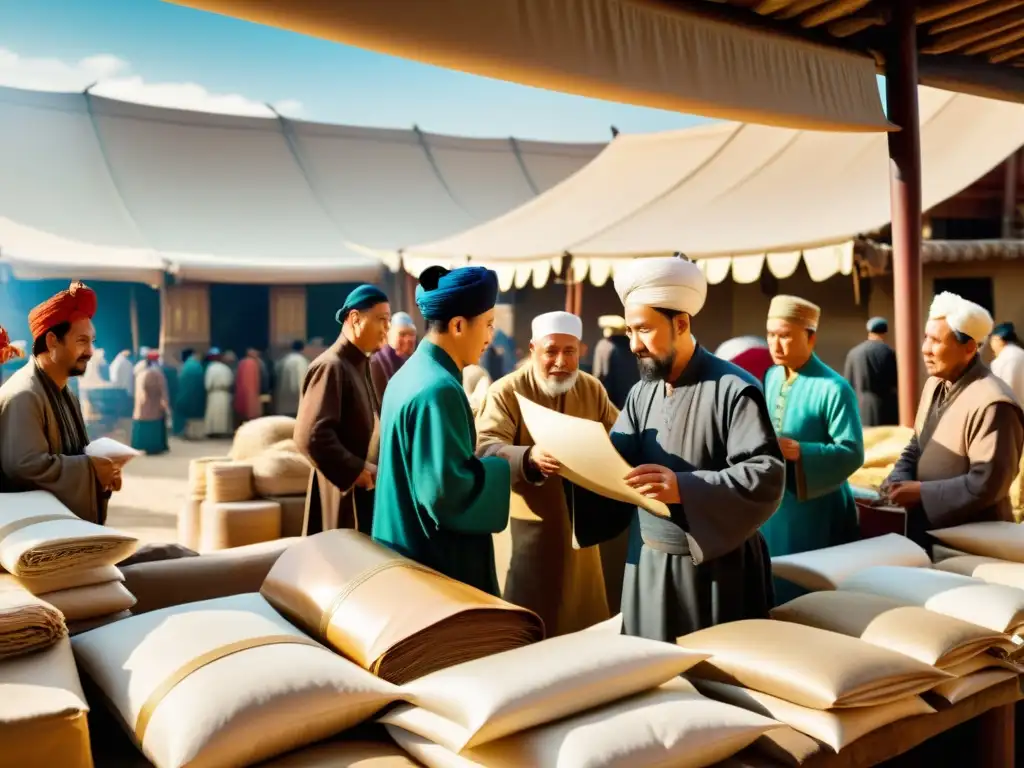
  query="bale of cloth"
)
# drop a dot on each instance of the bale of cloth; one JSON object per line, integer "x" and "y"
{"x": 824, "y": 569}
{"x": 224, "y": 682}
{"x": 256, "y": 436}
{"x": 277, "y": 472}
{"x": 43, "y": 711}
{"x": 998, "y": 539}
{"x": 882, "y": 449}
{"x": 392, "y": 616}
{"x": 27, "y": 623}
{"x": 39, "y": 536}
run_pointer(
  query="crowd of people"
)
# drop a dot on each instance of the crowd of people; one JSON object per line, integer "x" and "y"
{"x": 406, "y": 449}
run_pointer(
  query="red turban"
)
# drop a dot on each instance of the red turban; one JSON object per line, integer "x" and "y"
{"x": 7, "y": 352}
{"x": 77, "y": 302}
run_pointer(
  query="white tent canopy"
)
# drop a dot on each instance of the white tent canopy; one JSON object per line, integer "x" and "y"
{"x": 733, "y": 195}
{"x": 102, "y": 189}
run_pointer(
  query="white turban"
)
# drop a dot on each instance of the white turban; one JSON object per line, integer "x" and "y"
{"x": 402, "y": 320}
{"x": 961, "y": 315}
{"x": 557, "y": 322}
{"x": 665, "y": 283}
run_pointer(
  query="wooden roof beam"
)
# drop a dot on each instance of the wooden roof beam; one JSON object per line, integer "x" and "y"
{"x": 837, "y": 10}
{"x": 851, "y": 25}
{"x": 966, "y": 36}
{"x": 1006, "y": 53}
{"x": 945, "y": 8}
{"x": 768, "y": 7}
{"x": 979, "y": 13}
{"x": 1005, "y": 38}
{"x": 796, "y": 7}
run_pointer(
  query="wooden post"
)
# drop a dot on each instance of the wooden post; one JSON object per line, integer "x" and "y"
{"x": 996, "y": 738}
{"x": 1010, "y": 195}
{"x": 133, "y": 319}
{"x": 905, "y": 201}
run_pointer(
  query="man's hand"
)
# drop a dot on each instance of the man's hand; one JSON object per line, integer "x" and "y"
{"x": 106, "y": 470}
{"x": 790, "y": 449}
{"x": 116, "y": 486}
{"x": 655, "y": 482}
{"x": 544, "y": 462}
{"x": 368, "y": 477}
{"x": 906, "y": 494}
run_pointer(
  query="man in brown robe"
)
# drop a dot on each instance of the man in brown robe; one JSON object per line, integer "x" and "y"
{"x": 546, "y": 571}
{"x": 42, "y": 432}
{"x": 339, "y": 414}
{"x": 969, "y": 433}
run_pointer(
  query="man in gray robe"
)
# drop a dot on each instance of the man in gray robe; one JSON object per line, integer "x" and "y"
{"x": 871, "y": 371}
{"x": 697, "y": 431}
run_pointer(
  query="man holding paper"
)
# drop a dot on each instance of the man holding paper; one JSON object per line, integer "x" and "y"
{"x": 562, "y": 584}
{"x": 698, "y": 433}
{"x": 42, "y": 432}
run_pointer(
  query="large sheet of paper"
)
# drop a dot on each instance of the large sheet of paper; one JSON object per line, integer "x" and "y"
{"x": 586, "y": 453}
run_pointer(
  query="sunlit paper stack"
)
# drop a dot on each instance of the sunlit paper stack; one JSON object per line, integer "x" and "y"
{"x": 390, "y": 615}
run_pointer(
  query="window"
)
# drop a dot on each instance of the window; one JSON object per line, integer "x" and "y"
{"x": 976, "y": 289}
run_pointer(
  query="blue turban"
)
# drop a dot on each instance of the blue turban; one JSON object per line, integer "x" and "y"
{"x": 1005, "y": 331}
{"x": 878, "y": 325}
{"x": 463, "y": 292}
{"x": 362, "y": 297}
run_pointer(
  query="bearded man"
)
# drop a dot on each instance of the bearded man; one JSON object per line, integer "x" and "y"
{"x": 969, "y": 432}
{"x": 698, "y": 433}
{"x": 388, "y": 359}
{"x": 42, "y": 432}
{"x": 561, "y": 583}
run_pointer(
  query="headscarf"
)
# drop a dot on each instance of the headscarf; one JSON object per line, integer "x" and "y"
{"x": 8, "y": 351}
{"x": 464, "y": 292}
{"x": 793, "y": 309}
{"x": 964, "y": 317}
{"x": 77, "y": 302}
{"x": 1005, "y": 331}
{"x": 670, "y": 282}
{"x": 361, "y": 298}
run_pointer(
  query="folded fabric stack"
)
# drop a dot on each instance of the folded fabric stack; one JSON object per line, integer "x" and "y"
{"x": 833, "y": 688}
{"x": 882, "y": 449}
{"x": 27, "y": 623}
{"x": 62, "y": 560}
{"x": 587, "y": 699}
{"x": 975, "y": 655}
{"x": 225, "y": 682}
{"x": 824, "y": 569}
{"x": 355, "y": 595}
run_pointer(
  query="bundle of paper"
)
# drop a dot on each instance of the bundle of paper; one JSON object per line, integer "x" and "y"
{"x": 108, "y": 448}
{"x": 823, "y": 569}
{"x": 39, "y": 536}
{"x": 390, "y": 615}
{"x": 26, "y": 623}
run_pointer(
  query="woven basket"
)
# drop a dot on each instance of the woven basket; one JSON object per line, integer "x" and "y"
{"x": 281, "y": 473}
{"x": 197, "y": 475}
{"x": 228, "y": 482}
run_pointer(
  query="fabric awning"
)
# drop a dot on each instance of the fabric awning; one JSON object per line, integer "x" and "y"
{"x": 644, "y": 52}
{"x": 735, "y": 195}
{"x": 100, "y": 188}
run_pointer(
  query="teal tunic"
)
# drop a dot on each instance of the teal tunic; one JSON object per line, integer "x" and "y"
{"x": 190, "y": 400}
{"x": 818, "y": 409}
{"x": 436, "y": 502}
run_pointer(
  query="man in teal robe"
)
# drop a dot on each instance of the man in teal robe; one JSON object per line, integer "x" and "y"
{"x": 436, "y": 502}
{"x": 815, "y": 414}
{"x": 189, "y": 402}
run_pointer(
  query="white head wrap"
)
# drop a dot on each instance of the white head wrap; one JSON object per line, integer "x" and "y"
{"x": 665, "y": 282}
{"x": 557, "y": 322}
{"x": 961, "y": 315}
{"x": 402, "y": 320}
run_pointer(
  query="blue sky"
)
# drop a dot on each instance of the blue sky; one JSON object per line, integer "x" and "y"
{"x": 147, "y": 44}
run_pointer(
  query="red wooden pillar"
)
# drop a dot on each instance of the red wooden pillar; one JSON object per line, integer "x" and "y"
{"x": 905, "y": 195}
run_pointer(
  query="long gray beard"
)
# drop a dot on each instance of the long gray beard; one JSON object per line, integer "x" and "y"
{"x": 555, "y": 388}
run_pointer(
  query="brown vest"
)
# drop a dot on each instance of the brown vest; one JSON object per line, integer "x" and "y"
{"x": 944, "y": 433}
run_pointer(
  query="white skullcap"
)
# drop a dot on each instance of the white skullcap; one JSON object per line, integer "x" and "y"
{"x": 665, "y": 283}
{"x": 402, "y": 320}
{"x": 615, "y": 322}
{"x": 961, "y": 315}
{"x": 557, "y": 322}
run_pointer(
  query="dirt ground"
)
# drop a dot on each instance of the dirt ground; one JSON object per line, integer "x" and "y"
{"x": 154, "y": 488}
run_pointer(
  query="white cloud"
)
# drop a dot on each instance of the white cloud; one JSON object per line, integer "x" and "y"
{"x": 113, "y": 77}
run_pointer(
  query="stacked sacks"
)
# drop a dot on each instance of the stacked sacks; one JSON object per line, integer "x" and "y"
{"x": 225, "y": 682}
{"x": 62, "y": 560}
{"x": 882, "y": 449}
{"x": 229, "y": 515}
{"x": 833, "y": 688}
{"x": 974, "y": 654}
{"x": 585, "y": 699}
{"x": 391, "y": 615}
{"x": 824, "y": 569}
{"x": 281, "y": 473}
{"x": 190, "y": 517}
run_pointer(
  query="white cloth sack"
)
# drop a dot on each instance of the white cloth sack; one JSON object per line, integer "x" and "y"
{"x": 823, "y": 569}
{"x": 672, "y": 725}
{"x": 246, "y": 704}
